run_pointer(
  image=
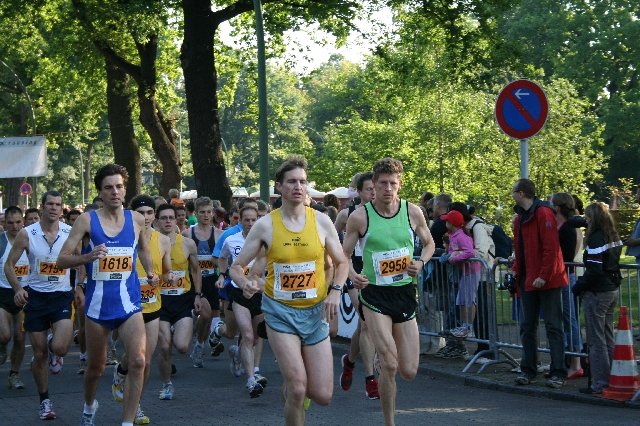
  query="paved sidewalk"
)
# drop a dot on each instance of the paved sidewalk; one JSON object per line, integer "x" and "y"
{"x": 500, "y": 377}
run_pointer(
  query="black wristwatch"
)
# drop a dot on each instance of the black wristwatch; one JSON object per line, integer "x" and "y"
{"x": 198, "y": 294}
{"x": 337, "y": 287}
{"x": 224, "y": 274}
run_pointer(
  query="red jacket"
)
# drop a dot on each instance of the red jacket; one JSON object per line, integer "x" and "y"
{"x": 542, "y": 255}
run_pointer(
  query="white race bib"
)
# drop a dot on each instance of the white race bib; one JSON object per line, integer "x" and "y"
{"x": 176, "y": 287}
{"x": 294, "y": 281}
{"x": 48, "y": 270}
{"x": 206, "y": 264}
{"x": 21, "y": 270}
{"x": 116, "y": 265}
{"x": 391, "y": 266}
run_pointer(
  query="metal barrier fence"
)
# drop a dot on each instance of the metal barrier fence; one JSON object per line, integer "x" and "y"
{"x": 448, "y": 294}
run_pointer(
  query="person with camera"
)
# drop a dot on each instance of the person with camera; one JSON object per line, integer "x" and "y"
{"x": 599, "y": 290}
{"x": 540, "y": 275}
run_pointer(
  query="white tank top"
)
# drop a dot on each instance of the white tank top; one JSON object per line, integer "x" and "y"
{"x": 22, "y": 265}
{"x": 45, "y": 276}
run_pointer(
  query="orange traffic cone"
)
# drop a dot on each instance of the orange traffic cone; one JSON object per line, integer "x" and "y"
{"x": 623, "y": 379}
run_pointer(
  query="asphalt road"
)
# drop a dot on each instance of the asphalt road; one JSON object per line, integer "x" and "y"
{"x": 212, "y": 396}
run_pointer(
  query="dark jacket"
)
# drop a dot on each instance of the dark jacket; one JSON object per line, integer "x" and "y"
{"x": 602, "y": 265}
{"x": 537, "y": 247}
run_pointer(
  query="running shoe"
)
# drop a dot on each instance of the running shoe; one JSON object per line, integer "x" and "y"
{"x": 555, "y": 382}
{"x": 112, "y": 356}
{"x": 236, "y": 364}
{"x": 46, "y": 410}
{"x": 167, "y": 392}
{"x": 55, "y": 361}
{"x": 196, "y": 356}
{"x": 3, "y": 354}
{"x": 523, "y": 380}
{"x": 255, "y": 389}
{"x": 346, "y": 377}
{"x": 15, "y": 382}
{"x": 371, "y": 388}
{"x": 443, "y": 351}
{"x": 117, "y": 385}
{"x": 214, "y": 340}
{"x": 76, "y": 333}
{"x": 260, "y": 379}
{"x": 83, "y": 366}
{"x": 140, "y": 418}
{"x": 89, "y": 419}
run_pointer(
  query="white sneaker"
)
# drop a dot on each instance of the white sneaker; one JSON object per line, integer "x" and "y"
{"x": 141, "y": 418}
{"x": 255, "y": 389}
{"x": 89, "y": 419}
{"x": 46, "y": 410}
{"x": 117, "y": 385}
{"x": 196, "y": 356}
{"x": 236, "y": 364}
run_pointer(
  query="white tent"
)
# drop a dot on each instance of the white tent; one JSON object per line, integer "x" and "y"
{"x": 236, "y": 192}
{"x": 340, "y": 192}
{"x": 313, "y": 193}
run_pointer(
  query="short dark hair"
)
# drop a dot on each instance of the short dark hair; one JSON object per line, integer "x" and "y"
{"x": 32, "y": 210}
{"x": 49, "y": 194}
{"x": 527, "y": 187}
{"x": 90, "y": 207}
{"x": 462, "y": 208}
{"x": 13, "y": 210}
{"x": 190, "y": 206}
{"x": 163, "y": 207}
{"x": 110, "y": 170}
{"x": 362, "y": 179}
{"x": 72, "y": 212}
{"x": 387, "y": 166}
{"x": 291, "y": 163}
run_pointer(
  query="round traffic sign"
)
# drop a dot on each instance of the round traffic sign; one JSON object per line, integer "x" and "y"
{"x": 25, "y": 189}
{"x": 521, "y": 109}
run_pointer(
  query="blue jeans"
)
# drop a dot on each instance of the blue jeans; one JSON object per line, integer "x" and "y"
{"x": 598, "y": 315}
{"x": 572, "y": 336}
{"x": 550, "y": 301}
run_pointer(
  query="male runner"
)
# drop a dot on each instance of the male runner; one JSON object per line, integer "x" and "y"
{"x": 160, "y": 250}
{"x": 360, "y": 340}
{"x": 386, "y": 227}
{"x": 204, "y": 234}
{"x": 31, "y": 216}
{"x": 179, "y": 297}
{"x": 247, "y": 311}
{"x": 11, "y": 315}
{"x": 112, "y": 240}
{"x": 47, "y": 296}
{"x": 296, "y": 299}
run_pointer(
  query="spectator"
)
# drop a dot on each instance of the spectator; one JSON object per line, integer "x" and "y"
{"x": 31, "y": 216}
{"x": 97, "y": 201}
{"x": 174, "y": 198}
{"x": 599, "y": 290}
{"x": 540, "y": 275}
{"x": 633, "y": 242}
{"x": 441, "y": 205}
{"x": 191, "y": 217}
{"x": 564, "y": 206}
{"x": 332, "y": 200}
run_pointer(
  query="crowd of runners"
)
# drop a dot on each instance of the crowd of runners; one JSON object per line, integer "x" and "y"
{"x": 187, "y": 277}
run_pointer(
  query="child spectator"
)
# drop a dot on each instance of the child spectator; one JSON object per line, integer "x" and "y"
{"x": 461, "y": 248}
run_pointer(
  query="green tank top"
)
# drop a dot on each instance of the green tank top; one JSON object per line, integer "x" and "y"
{"x": 387, "y": 247}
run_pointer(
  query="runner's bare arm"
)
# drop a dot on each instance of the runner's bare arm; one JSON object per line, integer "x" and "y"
{"x": 341, "y": 220}
{"x": 143, "y": 249}
{"x": 252, "y": 245}
{"x": 355, "y": 225}
{"x": 20, "y": 244}
{"x": 421, "y": 228}
{"x": 333, "y": 249}
{"x": 194, "y": 268}
{"x": 69, "y": 257}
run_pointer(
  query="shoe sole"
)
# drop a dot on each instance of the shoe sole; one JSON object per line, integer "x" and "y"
{"x": 256, "y": 392}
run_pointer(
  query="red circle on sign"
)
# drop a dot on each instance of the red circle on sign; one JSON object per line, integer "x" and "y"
{"x": 25, "y": 189}
{"x": 511, "y": 93}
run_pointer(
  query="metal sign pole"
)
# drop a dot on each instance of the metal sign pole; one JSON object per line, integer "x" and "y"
{"x": 524, "y": 158}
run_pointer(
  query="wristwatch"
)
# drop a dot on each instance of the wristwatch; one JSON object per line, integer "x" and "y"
{"x": 198, "y": 294}
{"x": 337, "y": 287}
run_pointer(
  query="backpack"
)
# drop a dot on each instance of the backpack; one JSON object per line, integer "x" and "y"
{"x": 503, "y": 244}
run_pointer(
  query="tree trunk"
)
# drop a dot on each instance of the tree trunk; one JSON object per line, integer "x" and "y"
{"x": 126, "y": 150}
{"x": 200, "y": 80}
{"x": 11, "y": 195}
{"x": 87, "y": 171}
{"x": 159, "y": 128}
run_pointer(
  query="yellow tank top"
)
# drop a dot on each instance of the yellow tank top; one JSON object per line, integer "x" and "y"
{"x": 151, "y": 296}
{"x": 180, "y": 268}
{"x": 295, "y": 263}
